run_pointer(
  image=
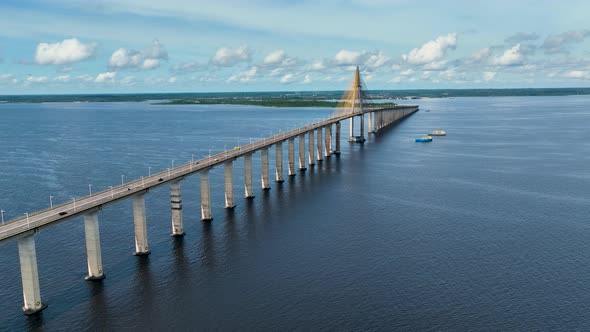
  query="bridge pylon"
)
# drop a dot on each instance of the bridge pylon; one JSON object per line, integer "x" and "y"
{"x": 351, "y": 103}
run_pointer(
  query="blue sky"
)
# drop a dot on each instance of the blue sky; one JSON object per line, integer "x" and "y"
{"x": 83, "y": 46}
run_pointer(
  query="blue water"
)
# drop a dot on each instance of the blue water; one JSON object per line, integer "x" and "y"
{"x": 484, "y": 229}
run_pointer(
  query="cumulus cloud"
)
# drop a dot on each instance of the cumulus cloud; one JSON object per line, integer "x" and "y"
{"x": 560, "y": 43}
{"x": 510, "y": 57}
{"x": 345, "y": 57}
{"x": 66, "y": 51}
{"x": 432, "y": 51}
{"x": 481, "y": 55}
{"x": 488, "y": 75}
{"x": 279, "y": 58}
{"x": 579, "y": 74}
{"x": 317, "y": 65}
{"x": 148, "y": 58}
{"x": 376, "y": 60}
{"x": 307, "y": 79}
{"x": 287, "y": 78}
{"x": 244, "y": 76}
{"x": 228, "y": 57}
{"x": 521, "y": 37}
{"x": 106, "y": 77}
{"x": 371, "y": 60}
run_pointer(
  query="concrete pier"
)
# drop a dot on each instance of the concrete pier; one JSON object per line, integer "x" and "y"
{"x": 370, "y": 122}
{"x": 229, "y": 184}
{"x": 327, "y": 140}
{"x": 205, "y": 196}
{"x": 310, "y": 148}
{"x": 139, "y": 221}
{"x": 93, "y": 252}
{"x": 249, "y": 193}
{"x": 362, "y": 129}
{"x": 264, "y": 172}
{"x": 176, "y": 209}
{"x": 279, "y": 162}
{"x": 30, "y": 275}
{"x": 291, "y": 156}
{"x": 319, "y": 151}
{"x": 338, "y": 134}
{"x": 302, "y": 152}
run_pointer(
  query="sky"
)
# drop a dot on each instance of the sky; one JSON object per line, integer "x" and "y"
{"x": 130, "y": 46}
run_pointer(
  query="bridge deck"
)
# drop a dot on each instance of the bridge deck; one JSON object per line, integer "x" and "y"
{"x": 98, "y": 199}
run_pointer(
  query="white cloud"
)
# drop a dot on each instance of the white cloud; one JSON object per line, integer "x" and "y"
{"x": 579, "y": 74}
{"x": 317, "y": 65}
{"x": 433, "y": 50}
{"x": 307, "y": 79}
{"x": 287, "y": 78}
{"x": 172, "y": 80}
{"x": 150, "y": 64}
{"x": 488, "y": 75}
{"x": 37, "y": 79}
{"x": 67, "y": 51}
{"x": 228, "y": 57}
{"x": 481, "y": 55}
{"x": 275, "y": 57}
{"x": 106, "y": 77}
{"x": 62, "y": 78}
{"x": 407, "y": 72}
{"x": 345, "y": 57}
{"x": 148, "y": 58}
{"x": 510, "y": 57}
{"x": 244, "y": 76}
{"x": 396, "y": 79}
{"x": 376, "y": 60}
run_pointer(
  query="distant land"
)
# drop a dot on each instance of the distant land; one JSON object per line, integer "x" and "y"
{"x": 288, "y": 99}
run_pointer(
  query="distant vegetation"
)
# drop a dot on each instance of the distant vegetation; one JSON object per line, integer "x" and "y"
{"x": 288, "y": 99}
{"x": 267, "y": 102}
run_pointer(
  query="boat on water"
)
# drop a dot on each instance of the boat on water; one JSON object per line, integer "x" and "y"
{"x": 438, "y": 133}
{"x": 427, "y": 111}
{"x": 424, "y": 139}
{"x": 357, "y": 139}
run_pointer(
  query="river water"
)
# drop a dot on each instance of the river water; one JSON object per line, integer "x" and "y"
{"x": 485, "y": 229}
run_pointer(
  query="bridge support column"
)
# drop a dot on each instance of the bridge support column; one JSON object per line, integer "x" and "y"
{"x": 310, "y": 143}
{"x": 302, "y": 152}
{"x": 279, "y": 162}
{"x": 264, "y": 161}
{"x": 30, "y": 275}
{"x": 229, "y": 184}
{"x": 370, "y": 123}
{"x": 205, "y": 196}
{"x": 328, "y": 140}
{"x": 291, "y": 156}
{"x": 139, "y": 221}
{"x": 362, "y": 129}
{"x": 93, "y": 252}
{"x": 319, "y": 152}
{"x": 351, "y": 127}
{"x": 248, "y": 176}
{"x": 176, "y": 209}
{"x": 338, "y": 134}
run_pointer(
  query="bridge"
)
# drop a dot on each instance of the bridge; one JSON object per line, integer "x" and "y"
{"x": 323, "y": 145}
